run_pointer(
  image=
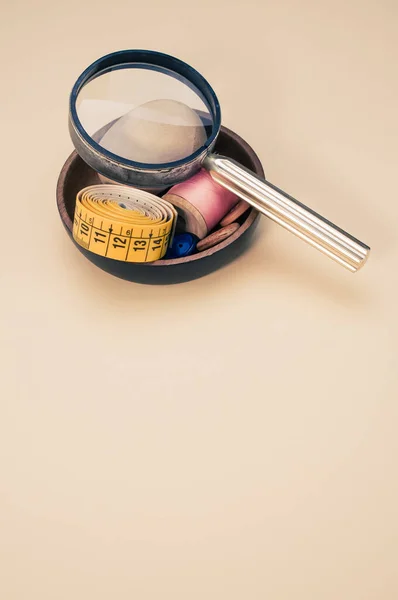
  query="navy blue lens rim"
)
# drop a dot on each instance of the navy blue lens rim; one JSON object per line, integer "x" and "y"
{"x": 156, "y": 61}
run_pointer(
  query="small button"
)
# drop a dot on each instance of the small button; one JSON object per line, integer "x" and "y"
{"x": 217, "y": 236}
{"x": 183, "y": 245}
{"x": 237, "y": 211}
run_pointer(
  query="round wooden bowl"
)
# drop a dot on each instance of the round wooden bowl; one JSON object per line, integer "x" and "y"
{"x": 76, "y": 174}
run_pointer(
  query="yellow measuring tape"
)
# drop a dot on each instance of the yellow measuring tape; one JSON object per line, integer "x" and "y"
{"x": 123, "y": 223}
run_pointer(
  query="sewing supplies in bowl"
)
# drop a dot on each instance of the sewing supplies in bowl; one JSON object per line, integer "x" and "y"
{"x": 132, "y": 225}
{"x": 149, "y": 121}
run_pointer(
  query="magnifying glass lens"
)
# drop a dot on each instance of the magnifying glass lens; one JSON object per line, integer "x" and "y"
{"x": 145, "y": 114}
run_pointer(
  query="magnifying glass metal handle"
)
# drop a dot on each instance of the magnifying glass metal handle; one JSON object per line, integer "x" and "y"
{"x": 288, "y": 212}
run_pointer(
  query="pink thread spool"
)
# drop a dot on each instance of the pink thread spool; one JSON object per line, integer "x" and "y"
{"x": 201, "y": 202}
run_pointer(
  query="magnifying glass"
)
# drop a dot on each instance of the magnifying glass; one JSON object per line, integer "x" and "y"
{"x": 149, "y": 120}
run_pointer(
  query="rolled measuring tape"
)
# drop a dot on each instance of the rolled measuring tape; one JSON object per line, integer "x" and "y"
{"x": 123, "y": 223}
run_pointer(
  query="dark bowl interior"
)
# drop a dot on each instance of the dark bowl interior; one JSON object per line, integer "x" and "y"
{"x": 76, "y": 174}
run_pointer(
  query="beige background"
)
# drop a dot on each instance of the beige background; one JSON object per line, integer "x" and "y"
{"x": 270, "y": 469}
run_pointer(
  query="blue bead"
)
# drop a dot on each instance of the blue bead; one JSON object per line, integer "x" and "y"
{"x": 183, "y": 244}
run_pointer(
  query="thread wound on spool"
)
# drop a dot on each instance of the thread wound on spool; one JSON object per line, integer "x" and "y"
{"x": 201, "y": 202}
